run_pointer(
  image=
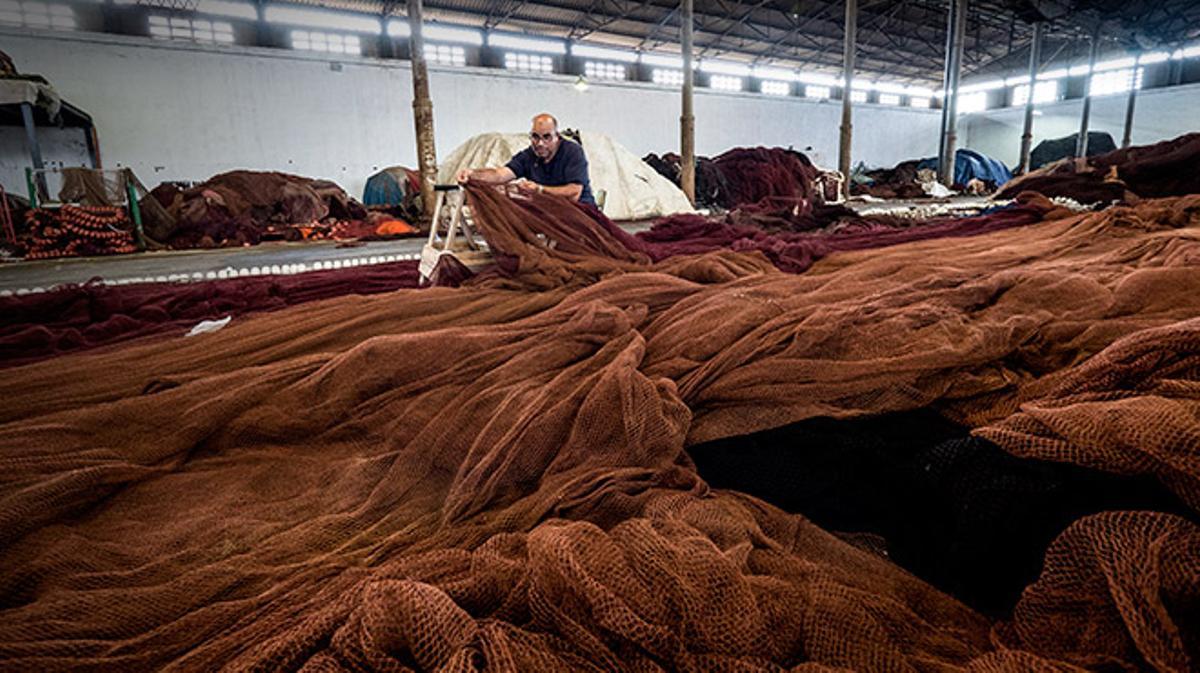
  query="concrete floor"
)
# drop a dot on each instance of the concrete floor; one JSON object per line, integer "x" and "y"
{"x": 273, "y": 258}
{"x": 184, "y": 265}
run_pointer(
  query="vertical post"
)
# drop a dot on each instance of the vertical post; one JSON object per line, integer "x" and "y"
{"x": 1175, "y": 72}
{"x": 135, "y": 210}
{"x": 422, "y": 108}
{"x": 1035, "y": 59}
{"x": 384, "y": 43}
{"x": 35, "y": 150}
{"x": 956, "y": 35}
{"x": 1082, "y": 143}
{"x": 849, "y": 51}
{"x": 687, "y": 117}
{"x": 93, "y": 145}
{"x": 1127, "y": 138}
{"x": 262, "y": 30}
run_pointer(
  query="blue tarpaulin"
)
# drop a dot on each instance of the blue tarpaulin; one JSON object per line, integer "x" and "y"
{"x": 969, "y": 165}
{"x": 388, "y": 187}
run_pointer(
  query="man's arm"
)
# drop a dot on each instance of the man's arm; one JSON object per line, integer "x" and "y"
{"x": 488, "y": 176}
{"x": 572, "y": 191}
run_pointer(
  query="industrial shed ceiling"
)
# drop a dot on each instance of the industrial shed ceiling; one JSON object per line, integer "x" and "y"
{"x": 899, "y": 40}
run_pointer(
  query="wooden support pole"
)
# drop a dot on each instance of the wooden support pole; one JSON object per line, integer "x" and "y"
{"x": 1127, "y": 138}
{"x": 849, "y": 51}
{"x": 422, "y": 109}
{"x": 687, "y": 117}
{"x": 1081, "y": 144}
{"x": 956, "y": 33}
{"x": 1035, "y": 58}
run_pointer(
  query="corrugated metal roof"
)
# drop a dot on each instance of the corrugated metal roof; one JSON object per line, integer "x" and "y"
{"x": 902, "y": 40}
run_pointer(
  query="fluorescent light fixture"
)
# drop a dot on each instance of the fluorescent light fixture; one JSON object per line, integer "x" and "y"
{"x": 774, "y": 87}
{"x": 1190, "y": 52}
{"x": 236, "y": 10}
{"x": 663, "y": 60}
{"x": 526, "y": 43}
{"x": 726, "y": 83}
{"x": 1057, "y": 73}
{"x": 1116, "y": 64}
{"x": 777, "y": 74}
{"x": 725, "y": 68}
{"x": 1153, "y": 57}
{"x": 667, "y": 77}
{"x": 317, "y": 18}
{"x": 588, "y": 51}
{"x": 817, "y": 91}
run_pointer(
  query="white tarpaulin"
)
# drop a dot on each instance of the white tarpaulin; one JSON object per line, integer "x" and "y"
{"x": 17, "y": 91}
{"x": 633, "y": 190}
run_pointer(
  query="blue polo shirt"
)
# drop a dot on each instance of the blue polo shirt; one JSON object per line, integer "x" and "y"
{"x": 568, "y": 166}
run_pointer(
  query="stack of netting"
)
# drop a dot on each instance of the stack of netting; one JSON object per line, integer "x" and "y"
{"x": 73, "y": 231}
{"x": 1162, "y": 169}
{"x": 747, "y": 176}
{"x": 982, "y": 455}
{"x": 245, "y": 208}
{"x": 89, "y": 315}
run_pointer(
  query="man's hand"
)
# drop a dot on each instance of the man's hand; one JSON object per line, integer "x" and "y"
{"x": 463, "y": 176}
{"x": 527, "y": 186}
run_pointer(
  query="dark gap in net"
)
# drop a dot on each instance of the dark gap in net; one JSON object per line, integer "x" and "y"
{"x": 953, "y": 509}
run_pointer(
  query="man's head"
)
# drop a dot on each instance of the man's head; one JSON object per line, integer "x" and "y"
{"x": 543, "y": 136}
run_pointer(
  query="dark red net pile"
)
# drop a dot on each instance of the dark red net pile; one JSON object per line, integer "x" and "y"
{"x": 747, "y": 176}
{"x": 796, "y": 249}
{"x": 74, "y": 231}
{"x": 498, "y": 478}
{"x": 77, "y": 317}
{"x": 898, "y": 182}
{"x": 1163, "y": 169}
{"x": 247, "y": 207}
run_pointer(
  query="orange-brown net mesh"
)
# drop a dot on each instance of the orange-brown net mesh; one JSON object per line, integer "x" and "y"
{"x": 491, "y": 478}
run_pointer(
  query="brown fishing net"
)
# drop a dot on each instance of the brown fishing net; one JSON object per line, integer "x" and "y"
{"x": 490, "y": 478}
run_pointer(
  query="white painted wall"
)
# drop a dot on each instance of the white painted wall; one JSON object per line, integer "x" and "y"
{"x": 175, "y": 111}
{"x": 60, "y": 147}
{"x": 1159, "y": 114}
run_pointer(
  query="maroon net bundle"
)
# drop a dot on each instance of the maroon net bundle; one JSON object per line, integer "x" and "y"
{"x": 490, "y": 478}
{"x": 73, "y": 231}
{"x": 794, "y": 251}
{"x": 746, "y": 176}
{"x": 244, "y": 208}
{"x": 1149, "y": 171}
{"x": 898, "y": 182}
{"x": 77, "y": 317}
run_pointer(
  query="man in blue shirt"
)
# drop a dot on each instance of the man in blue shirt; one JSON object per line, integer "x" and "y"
{"x": 550, "y": 165}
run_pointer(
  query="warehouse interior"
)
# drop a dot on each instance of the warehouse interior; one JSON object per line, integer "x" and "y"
{"x": 598, "y": 335}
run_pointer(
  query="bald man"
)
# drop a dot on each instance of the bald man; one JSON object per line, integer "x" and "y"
{"x": 549, "y": 165}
